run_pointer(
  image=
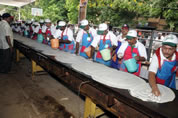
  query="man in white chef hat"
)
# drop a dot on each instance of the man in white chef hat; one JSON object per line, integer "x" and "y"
{"x": 132, "y": 49}
{"x": 163, "y": 66}
{"x": 84, "y": 38}
{"x": 66, "y": 37}
{"x": 104, "y": 41}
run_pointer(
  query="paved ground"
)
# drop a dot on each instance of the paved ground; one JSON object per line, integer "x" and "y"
{"x": 44, "y": 97}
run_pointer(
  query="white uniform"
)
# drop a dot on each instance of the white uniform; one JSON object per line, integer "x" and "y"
{"x": 27, "y": 28}
{"x": 33, "y": 28}
{"x": 5, "y": 30}
{"x": 110, "y": 36}
{"x": 119, "y": 38}
{"x": 57, "y": 34}
{"x": 67, "y": 32}
{"x": 138, "y": 45}
{"x": 81, "y": 32}
{"x": 17, "y": 29}
{"x": 38, "y": 28}
{"x": 154, "y": 62}
{"x": 52, "y": 29}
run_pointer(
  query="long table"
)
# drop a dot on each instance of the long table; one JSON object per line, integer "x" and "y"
{"x": 117, "y": 101}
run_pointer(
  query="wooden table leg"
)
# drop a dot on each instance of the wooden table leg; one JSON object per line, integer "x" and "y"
{"x": 91, "y": 110}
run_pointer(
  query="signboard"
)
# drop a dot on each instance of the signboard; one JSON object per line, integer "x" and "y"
{"x": 37, "y": 12}
{"x": 83, "y": 2}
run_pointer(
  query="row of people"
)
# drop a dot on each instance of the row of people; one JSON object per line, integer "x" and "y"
{"x": 90, "y": 44}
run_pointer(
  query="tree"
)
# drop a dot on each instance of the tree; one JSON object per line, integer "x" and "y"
{"x": 72, "y": 7}
{"x": 167, "y": 9}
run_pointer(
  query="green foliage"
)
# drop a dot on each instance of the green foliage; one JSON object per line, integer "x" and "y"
{"x": 115, "y": 12}
{"x": 53, "y": 9}
{"x": 168, "y": 9}
{"x": 72, "y": 7}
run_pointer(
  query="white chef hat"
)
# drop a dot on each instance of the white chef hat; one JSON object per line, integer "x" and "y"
{"x": 84, "y": 22}
{"x": 62, "y": 23}
{"x": 170, "y": 40}
{"x": 103, "y": 27}
{"x": 41, "y": 21}
{"x": 29, "y": 21}
{"x": 47, "y": 20}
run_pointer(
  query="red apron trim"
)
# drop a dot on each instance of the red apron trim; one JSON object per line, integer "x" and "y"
{"x": 160, "y": 81}
{"x": 82, "y": 49}
{"x": 98, "y": 55}
{"x": 70, "y": 47}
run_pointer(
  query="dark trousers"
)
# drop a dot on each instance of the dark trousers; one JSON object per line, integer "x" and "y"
{"x": 5, "y": 60}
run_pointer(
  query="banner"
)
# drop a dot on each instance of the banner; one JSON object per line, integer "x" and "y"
{"x": 37, "y": 12}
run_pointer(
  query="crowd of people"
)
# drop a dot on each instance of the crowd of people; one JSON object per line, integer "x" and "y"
{"x": 123, "y": 52}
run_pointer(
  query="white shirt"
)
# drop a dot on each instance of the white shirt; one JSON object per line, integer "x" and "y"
{"x": 38, "y": 28}
{"x": 13, "y": 27}
{"x": 5, "y": 30}
{"x": 57, "y": 34}
{"x": 138, "y": 45}
{"x": 119, "y": 38}
{"x": 81, "y": 32}
{"x": 67, "y": 32}
{"x": 17, "y": 29}
{"x": 154, "y": 62}
{"x": 52, "y": 29}
{"x": 27, "y": 28}
{"x": 33, "y": 28}
{"x": 110, "y": 36}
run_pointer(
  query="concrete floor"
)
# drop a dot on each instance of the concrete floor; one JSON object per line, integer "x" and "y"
{"x": 43, "y": 97}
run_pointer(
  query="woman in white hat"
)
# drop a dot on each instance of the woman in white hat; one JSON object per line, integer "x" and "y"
{"x": 66, "y": 38}
{"x": 38, "y": 30}
{"x": 130, "y": 49}
{"x": 35, "y": 25}
{"x": 28, "y": 29}
{"x": 47, "y": 31}
{"x": 103, "y": 40}
{"x": 163, "y": 66}
{"x": 84, "y": 38}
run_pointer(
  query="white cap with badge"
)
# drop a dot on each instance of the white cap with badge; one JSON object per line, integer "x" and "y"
{"x": 83, "y": 23}
{"x": 170, "y": 40}
{"x": 102, "y": 28}
{"x": 62, "y": 23}
{"x": 131, "y": 34}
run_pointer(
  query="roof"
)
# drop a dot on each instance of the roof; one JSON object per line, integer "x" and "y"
{"x": 16, "y": 3}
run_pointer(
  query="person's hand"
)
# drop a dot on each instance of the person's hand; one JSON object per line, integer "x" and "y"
{"x": 156, "y": 91}
{"x": 137, "y": 58}
{"x": 120, "y": 55}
